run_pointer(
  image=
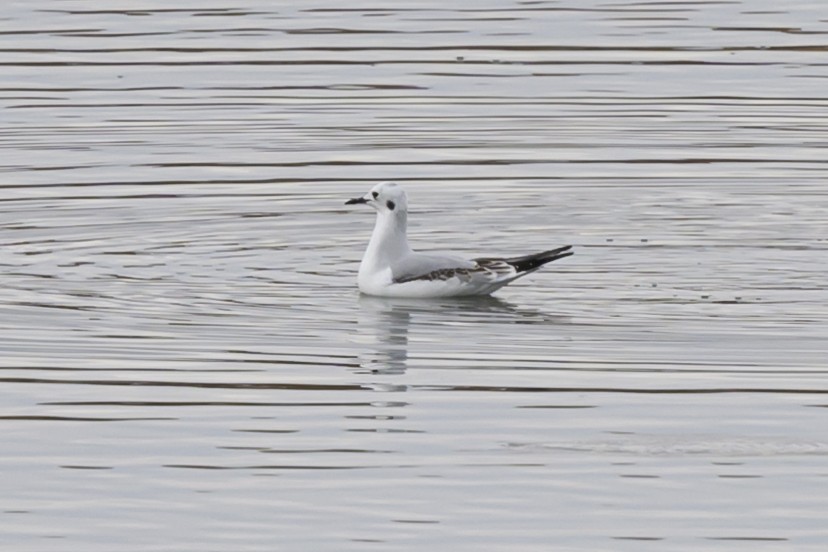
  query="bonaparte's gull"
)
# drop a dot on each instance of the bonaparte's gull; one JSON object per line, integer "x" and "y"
{"x": 390, "y": 268}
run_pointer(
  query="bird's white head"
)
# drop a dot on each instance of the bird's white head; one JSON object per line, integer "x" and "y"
{"x": 385, "y": 198}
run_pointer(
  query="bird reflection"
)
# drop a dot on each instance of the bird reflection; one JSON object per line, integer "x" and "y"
{"x": 383, "y": 335}
{"x": 384, "y": 324}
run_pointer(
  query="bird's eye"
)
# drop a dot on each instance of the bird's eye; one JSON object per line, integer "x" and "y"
{"x": 375, "y": 194}
{"x": 390, "y": 204}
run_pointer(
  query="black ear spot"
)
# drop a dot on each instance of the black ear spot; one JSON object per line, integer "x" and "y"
{"x": 390, "y": 204}
{"x": 375, "y": 194}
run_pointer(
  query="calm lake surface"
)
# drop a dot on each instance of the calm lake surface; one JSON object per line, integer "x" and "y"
{"x": 186, "y": 361}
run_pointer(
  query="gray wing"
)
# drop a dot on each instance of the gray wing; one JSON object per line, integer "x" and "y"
{"x": 437, "y": 267}
{"x": 421, "y": 266}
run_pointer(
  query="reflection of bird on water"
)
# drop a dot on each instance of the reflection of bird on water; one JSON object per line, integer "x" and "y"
{"x": 384, "y": 324}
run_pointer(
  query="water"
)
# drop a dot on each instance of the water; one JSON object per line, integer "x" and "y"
{"x": 186, "y": 362}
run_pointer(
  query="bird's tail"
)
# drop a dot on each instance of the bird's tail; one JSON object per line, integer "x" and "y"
{"x": 537, "y": 260}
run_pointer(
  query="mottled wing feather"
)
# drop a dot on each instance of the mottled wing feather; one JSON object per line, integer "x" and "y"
{"x": 429, "y": 268}
{"x": 419, "y": 265}
{"x": 491, "y": 269}
{"x": 495, "y": 267}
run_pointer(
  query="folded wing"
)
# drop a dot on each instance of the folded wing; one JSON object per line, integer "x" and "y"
{"x": 483, "y": 271}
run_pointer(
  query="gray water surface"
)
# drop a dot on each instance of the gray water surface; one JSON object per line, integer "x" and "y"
{"x": 187, "y": 363}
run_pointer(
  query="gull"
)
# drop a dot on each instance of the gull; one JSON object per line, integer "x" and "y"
{"x": 390, "y": 268}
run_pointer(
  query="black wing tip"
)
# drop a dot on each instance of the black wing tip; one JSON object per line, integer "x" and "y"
{"x": 537, "y": 260}
{"x": 557, "y": 250}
